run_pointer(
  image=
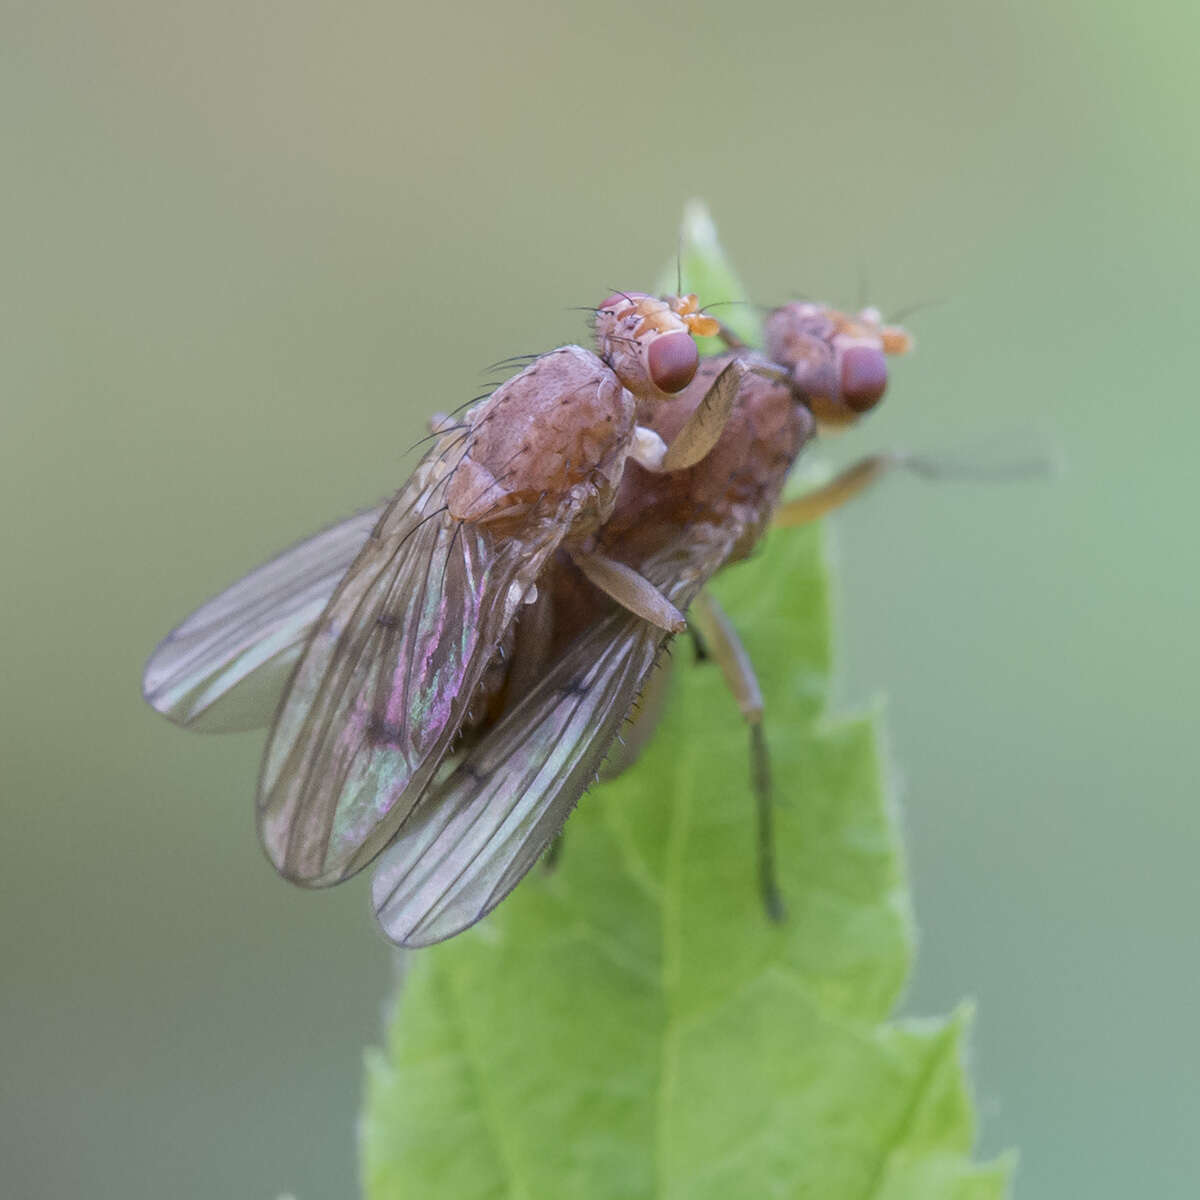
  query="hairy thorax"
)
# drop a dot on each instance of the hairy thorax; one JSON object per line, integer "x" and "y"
{"x": 563, "y": 423}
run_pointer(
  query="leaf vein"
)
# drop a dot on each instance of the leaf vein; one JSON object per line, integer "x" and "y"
{"x": 489, "y": 1118}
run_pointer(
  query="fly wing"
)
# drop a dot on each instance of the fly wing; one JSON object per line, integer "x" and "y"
{"x": 470, "y": 843}
{"x": 385, "y": 682}
{"x": 225, "y": 667}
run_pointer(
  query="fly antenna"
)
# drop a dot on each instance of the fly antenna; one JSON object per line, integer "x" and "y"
{"x": 920, "y": 306}
{"x": 864, "y": 283}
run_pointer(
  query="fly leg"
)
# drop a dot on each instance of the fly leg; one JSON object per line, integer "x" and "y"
{"x": 553, "y": 853}
{"x": 642, "y": 722}
{"x": 843, "y": 487}
{"x": 726, "y": 649}
{"x": 860, "y": 475}
{"x": 630, "y": 590}
{"x": 700, "y": 432}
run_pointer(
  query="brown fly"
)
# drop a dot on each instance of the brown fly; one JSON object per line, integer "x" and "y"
{"x": 588, "y": 660}
{"x": 459, "y": 665}
{"x": 394, "y": 648}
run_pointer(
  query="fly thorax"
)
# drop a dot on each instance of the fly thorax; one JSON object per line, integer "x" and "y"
{"x": 563, "y": 422}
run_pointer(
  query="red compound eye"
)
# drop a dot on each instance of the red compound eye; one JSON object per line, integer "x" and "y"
{"x": 864, "y": 377}
{"x": 619, "y": 298}
{"x": 672, "y": 361}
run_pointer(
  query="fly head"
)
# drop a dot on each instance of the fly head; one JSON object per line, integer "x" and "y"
{"x": 649, "y": 343}
{"x": 836, "y": 363}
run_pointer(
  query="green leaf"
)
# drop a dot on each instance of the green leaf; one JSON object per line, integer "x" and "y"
{"x": 631, "y": 1025}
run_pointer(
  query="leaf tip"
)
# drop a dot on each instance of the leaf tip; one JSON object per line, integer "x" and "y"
{"x": 698, "y": 228}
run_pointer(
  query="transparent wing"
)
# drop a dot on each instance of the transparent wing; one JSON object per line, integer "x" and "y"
{"x": 225, "y": 667}
{"x": 386, "y": 679}
{"x": 470, "y": 843}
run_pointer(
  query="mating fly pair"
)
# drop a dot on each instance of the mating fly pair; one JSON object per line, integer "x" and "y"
{"x": 449, "y": 673}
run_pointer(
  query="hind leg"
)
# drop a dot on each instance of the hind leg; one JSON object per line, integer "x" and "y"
{"x": 842, "y": 488}
{"x": 723, "y": 645}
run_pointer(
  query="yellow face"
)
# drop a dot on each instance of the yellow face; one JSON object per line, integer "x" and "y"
{"x": 837, "y": 363}
{"x": 648, "y": 341}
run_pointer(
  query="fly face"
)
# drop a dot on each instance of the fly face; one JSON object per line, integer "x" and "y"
{"x": 837, "y": 362}
{"x": 648, "y": 342}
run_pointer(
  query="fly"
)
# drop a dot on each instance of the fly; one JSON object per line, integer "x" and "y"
{"x": 389, "y": 646}
{"x": 455, "y": 667}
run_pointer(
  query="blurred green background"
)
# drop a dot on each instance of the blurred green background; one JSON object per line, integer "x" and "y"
{"x": 248, "y": 247}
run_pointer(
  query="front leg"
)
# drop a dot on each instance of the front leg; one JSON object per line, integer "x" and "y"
{"x": 860, "y": 475}
{"x": 701, "y": 431}
{"x": 630, "y": 590}
{"x": 843, "y": 487}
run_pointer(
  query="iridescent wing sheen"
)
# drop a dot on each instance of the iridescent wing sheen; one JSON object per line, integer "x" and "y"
{"x": 386, "y": 679}
{"x": 470, "y": 842}
{"x": 225, "y": 667}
